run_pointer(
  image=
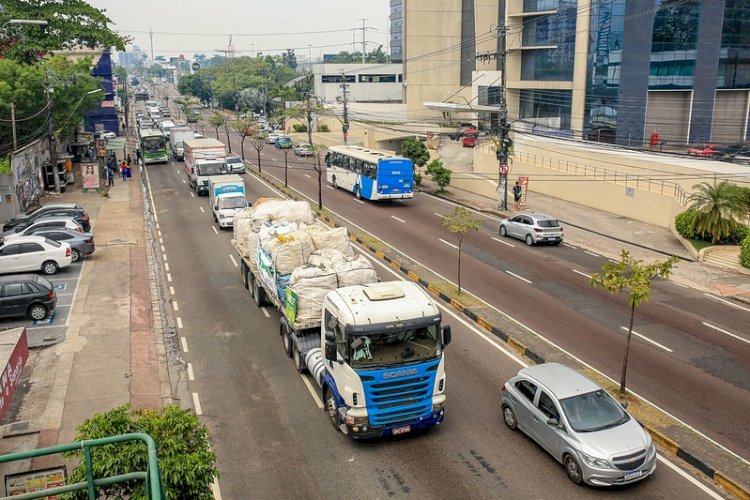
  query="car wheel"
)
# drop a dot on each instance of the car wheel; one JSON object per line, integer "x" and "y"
{"x": 529, "y": 240}
{"x": 50, "y": 267}
{"x": 503, "y": 231}
{"x": 75, "y": 255}
{"x": 573, "y": 470}
{"x": 509, "y": 417}
{"x": 332, "y": 408}
{"x": 38, "y": 312}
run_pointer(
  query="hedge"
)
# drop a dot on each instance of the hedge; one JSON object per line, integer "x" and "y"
{"x": 683, "y": 223}
{"x": 745, "y": 253}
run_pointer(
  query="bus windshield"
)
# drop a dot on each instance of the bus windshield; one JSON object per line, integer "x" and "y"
{"x": 395, "y": 347}
{"x": 153, "y": 144}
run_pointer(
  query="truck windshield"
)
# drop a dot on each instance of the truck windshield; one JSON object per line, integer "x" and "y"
{"x": 232, "y": 202}
{"x": 212, "y": 169}
{"x": 395, "y": 347}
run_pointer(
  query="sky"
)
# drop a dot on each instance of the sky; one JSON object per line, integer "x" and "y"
{"x": 272, "y": 26}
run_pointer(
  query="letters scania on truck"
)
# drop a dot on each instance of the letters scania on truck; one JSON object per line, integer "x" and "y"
{"x": 375, "y": 349}
{"x": 203, "y": 158}
{"x": 226, "y": 195}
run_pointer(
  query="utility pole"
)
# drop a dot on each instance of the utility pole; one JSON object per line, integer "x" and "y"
{"x": 364, "y": 30}
{"x": 151, "y": 37}
{"x": 309, "y": 56}
{"x": 345, "y": 91}
{"x": 318, "y": 167}
{"x": 126, "y": 103}
{"x": 51, "y": 134}
{"x": 13, "y": 124}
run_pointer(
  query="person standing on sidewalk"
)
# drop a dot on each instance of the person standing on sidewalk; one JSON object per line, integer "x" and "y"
{"x": 124, "y": 170}
{"x": 110, "y": 177}
{"x": 517, "y": 192}
{"x": 129, "y": 160}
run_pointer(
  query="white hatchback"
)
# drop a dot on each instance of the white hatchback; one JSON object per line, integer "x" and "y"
{"x": 33, "y": 253}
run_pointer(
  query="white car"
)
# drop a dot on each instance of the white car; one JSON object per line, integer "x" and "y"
{"x": 33, "y": 253}
{"x": 197, "y": 135}
{"x": 271, "y": 138}
{"x": 104, "y": 134}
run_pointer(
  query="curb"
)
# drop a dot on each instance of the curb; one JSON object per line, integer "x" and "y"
{"x": 668, "y": 443}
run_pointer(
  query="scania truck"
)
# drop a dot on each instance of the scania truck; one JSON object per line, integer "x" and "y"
{"x": 203, "y": 158}
{"x": 375, "y": 350}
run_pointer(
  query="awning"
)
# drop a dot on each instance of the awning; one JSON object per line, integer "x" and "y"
{"x": 452, "y": 107}
{"x": 116, "y": 144}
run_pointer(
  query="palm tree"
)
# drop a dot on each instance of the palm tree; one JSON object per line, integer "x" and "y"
{"x": 719, "y": 207}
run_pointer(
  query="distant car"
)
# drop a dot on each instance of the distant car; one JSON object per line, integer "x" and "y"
{"x": 533, "y": 228}
{"x": 235, "y": 165}
{"x": 33, "y": 253}
{"x": 303, "y": 149}
{"x": 737, "y": 153}
{"x": 52, "y": 210}
{"x": 271, "y": 138}
{"x": 579, "y": 424}
{"x": 26, "y": 295}
{"x": 81, "y": 244}
{"x": 104, "y": 134}
{"x": 43, "y": 223}
{"x": 283, "y": 142}
{"x": 709, "y": 150}
{"x": 197, "y": 135}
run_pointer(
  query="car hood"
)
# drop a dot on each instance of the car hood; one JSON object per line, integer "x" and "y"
{"x": 618, "y": 440}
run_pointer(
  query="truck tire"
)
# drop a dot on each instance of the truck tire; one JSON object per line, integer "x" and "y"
{"x": 259, "y": 294}
{"x": 331, "y": 408}
{"x": 286, "y": 338}
{"x": 243, "y": 274}
{"x": 299, "y": 361}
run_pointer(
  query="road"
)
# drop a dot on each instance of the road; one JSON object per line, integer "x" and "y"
{"x": 268, "y": 428}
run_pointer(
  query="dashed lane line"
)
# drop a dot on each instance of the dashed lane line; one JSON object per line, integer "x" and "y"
{"x": 310, "y": 388}
{"x": 191, "y": 375}
{"x": 570, "y": 246}
{"x": 192, "y": 195}
{"x": 179, "y": 322}
{"x": 169, "y": 277}
{"x": 359, "y": 201}
{"x": 592, "y": 253}
{"x": 197, "y": 404}
{"x": 163, "y": 250}
{"x": 448, "y": 243}
{"x": 161, "y": 241}
{"x": 737, "y": 306}
{"x": 265, "y": 312}
{"x": 581, "y": 273}
{"x": 171, "y": 290}
{"x": 175, "y": 306}
{"x": 202, "y": 210}
{"x": 234, "y": 262}
{"x": 402, "y": 221}
{"x": 166, "y": 265}
{"x": 519, "y": 277}
{"x": 504, "y": 242}
{"x": 183, "y": 341}
{"x": 660, "y": 346}
{"x": 308, "y": 176}
{"x": 726, "y": 332}
{"x": 331, "y": 188}
{"x": 215, "y": 231}
{"x": 439, "y": 215}
{"x": 184, "y": 181}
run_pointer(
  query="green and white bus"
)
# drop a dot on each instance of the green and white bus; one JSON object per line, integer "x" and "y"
{"x": 153, "y": 146}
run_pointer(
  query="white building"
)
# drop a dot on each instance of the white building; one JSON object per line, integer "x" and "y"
{"x": 365, "y": 83}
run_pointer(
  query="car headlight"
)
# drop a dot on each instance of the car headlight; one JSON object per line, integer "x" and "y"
{"x": 598, "y": 463}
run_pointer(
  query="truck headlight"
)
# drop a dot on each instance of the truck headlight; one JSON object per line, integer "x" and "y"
{"x": 438, "y": 406}
{"x": 357, "y": 420}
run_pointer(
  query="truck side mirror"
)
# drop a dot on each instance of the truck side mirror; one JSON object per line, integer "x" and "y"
{"x": 330, "y": 350}
{"x": 447, "y": 336}
{"x": 330, "y": 337}
{"x": 216, "y": 207}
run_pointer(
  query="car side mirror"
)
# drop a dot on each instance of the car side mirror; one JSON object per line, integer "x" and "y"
{"x": 447, "y": 335}
{"x": 553, "y": 422}
{"x": 330, "y": 351}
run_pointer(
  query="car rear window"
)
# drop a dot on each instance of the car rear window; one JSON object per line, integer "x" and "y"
{"x": 52, "y": 243}
{"x": 548, "y": 223}
{"x": 45, "y": 283}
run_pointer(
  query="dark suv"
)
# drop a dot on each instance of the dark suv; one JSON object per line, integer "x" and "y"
{"x": 73, "y": 211}
{"x": 26, "y": 295}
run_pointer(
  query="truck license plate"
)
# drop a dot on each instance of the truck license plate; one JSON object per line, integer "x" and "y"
{"x": 633, "y": 475}
{"x": 401, "y": 430}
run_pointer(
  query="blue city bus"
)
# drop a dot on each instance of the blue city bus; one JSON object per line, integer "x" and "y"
{"x": 369, "y": 173}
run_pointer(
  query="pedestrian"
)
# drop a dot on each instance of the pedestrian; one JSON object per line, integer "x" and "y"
{"x": 517, "y": 196}
{"x": 138, "y": 155}
{"x": 124, "y": 170}
{"x": 129, "y": 160}
{"x": 110, "y": 177}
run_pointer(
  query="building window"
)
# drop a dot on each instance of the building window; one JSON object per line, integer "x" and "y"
{"x": 554, "y": 29}
{"x": 337, "y": 79}
{"x": 547, "y": 64}
{"x": 557, "y": 30}
{"x": 541, "y": 5}
{"x": 546, "y": 109}
{"x": 377, "y": 78}
{"x": 734, "y": 56}
{"x": 673, "y": 45}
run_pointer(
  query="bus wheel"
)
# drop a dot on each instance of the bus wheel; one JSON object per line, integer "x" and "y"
{"x": 333, "y": 181}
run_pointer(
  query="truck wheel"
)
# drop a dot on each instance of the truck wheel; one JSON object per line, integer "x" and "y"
{"x": 243, "y": 272}
{"x": 298, "y": 361}
{"x": 286, "y": 339}
{"x": 259, "y": 294}
{"x": 332, "y": 408}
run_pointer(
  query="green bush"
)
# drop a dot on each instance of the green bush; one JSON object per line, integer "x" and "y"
{"x": 683, "y": 223}
{"x": 5, "y": 165}
{"x": 745, "y": 253}
{"x": 418, "y": 179}
{"x": 324, "y": 128}
{"x": 737, "y": 235}
{"x": 299, "y": 127}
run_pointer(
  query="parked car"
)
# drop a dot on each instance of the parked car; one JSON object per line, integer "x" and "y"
{"x": 303, "y": 149}
{"x": 52, "y": 210}
{"x": 81, "y": 244}
{"x": 26, "y": 295}
{"x": 197, "y": 135}
{"x": 533, "y": 228}
{"x": 235, "y": 165}
{"x": 104, "y": 134}
{"x": 43, "y": 223}
{"x": 737, "y": 153}
{"x": 33, "y": 253}
{"x": 271, "y": 138}
{"x": 709, "y": 150}
{"x": 579, "y": 424}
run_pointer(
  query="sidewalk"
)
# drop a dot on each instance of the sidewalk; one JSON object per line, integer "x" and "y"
{"x": 111, "y": 354}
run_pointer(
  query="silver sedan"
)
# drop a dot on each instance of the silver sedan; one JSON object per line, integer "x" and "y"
{"x": 81, "y": 244}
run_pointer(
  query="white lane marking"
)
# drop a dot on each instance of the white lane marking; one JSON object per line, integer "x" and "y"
{"x": 726, "y": 332}
{"x": 275, "y": 159}
{"x": 439, "y": 215}
{"x": 265, "y": 312}
{"x": 402, "y": 221}
{"x": 192, "y": 195}
{"x": 310, "y": 388}
{"x": 197, "y": 404}
{"x": 448, "y": 202}
{"x": 171, "y": 290}
{"x": 661, "y": 346}
{"x": 163, "y": 250}
{"x": 169, "y": 277}
{"x": 183, "y": 341}
{"x": 179, "y": 322}
{"x": 215, "y": 489}
{"x": 708, "y": 491}
{"x": 331, "y": 188}
{"x": 184, "y": 181}
{"x": 202, "y": 210}
{"x": 581, "y": 273}
{"x": 191, "y": 375}
{"x": 448, "y": 243}
{"x": 570, "y": 246}
{"x": 215, "y": 231}
{"x": 592, "y": 253}
{"x": 359, "y": 201}
{"x": 157, "y": 226}
{"x": 166, "y": 265}
{"x": 161, "y": 241}
{"x": 519, "y": 277}
{"x": 504, "y": 242}
{"x": 175, "y": 306}
{"x": 177, "y": 170}
{"x": 678, "y": 284}
{"x": 727, "y": 302}
{"x": 308, "y": 176}
{"x": 231, "y": 257}
{"x": 158, "y": 233}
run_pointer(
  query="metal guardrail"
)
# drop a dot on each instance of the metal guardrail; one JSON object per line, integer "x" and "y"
{"x": 152, "y": 478}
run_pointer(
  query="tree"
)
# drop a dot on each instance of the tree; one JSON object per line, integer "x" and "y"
{"x": 289, "y": 58}
{"x": 440, "y": 175}
{"x": 196, "y": 85}
{"x": 156, "y": 70}
{"x": 258, "y": 141}
{"x": 219, "y": 120}
{"x": 186, "y": 103}
{"x": 70, "y": 24}
{"x": 415, "y": 150}
{"x": 186, "y": 463}
{"x": 634, "y": 277}
{"x": 460, "y": 222}
{"x": 719, "y": 207}
{"x": 309, "y": 112}
{"x": 244, "y": 127}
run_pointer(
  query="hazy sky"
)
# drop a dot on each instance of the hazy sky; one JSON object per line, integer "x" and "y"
{"x": 271, "y": 26}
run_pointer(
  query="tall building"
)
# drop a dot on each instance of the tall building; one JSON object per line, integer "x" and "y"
{"x": 608, "y": 70}
{"x": 396, "y": 29}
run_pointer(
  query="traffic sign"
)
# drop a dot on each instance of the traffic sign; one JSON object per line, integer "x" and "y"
{"x": 196, "y": 66}
{"x": 504, "y": 168}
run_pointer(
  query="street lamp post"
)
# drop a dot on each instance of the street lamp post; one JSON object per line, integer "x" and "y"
{"x": 286, "y": 167}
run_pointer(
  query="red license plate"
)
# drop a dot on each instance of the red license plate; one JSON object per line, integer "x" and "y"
{"x": 401, "y": 430}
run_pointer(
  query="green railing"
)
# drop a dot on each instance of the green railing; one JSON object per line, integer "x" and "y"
{"x": 151, "y": 477}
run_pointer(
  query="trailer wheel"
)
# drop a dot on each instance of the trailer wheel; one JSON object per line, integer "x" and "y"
{"x": 285, "y": 338}
{"x": 259, "y": 294}
{"x": 331, "y": 408}
{"x": 244, "y": 270}
{"x": 298, "y": 361}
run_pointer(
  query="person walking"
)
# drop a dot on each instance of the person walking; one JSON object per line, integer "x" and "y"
{"x": 517, "y": 191}
{"x": 129, "y": 160}
{"x": 124, "y": 170}
{"x": 110, "y": 177}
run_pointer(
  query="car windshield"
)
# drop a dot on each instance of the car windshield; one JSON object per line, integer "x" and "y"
{"x": 234, "y": 160}
{"x": 547, "y": 223}
{"x": 395, "y": 347}
{"x": 233, "y": 202}
{"x": 593, "y": 411}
